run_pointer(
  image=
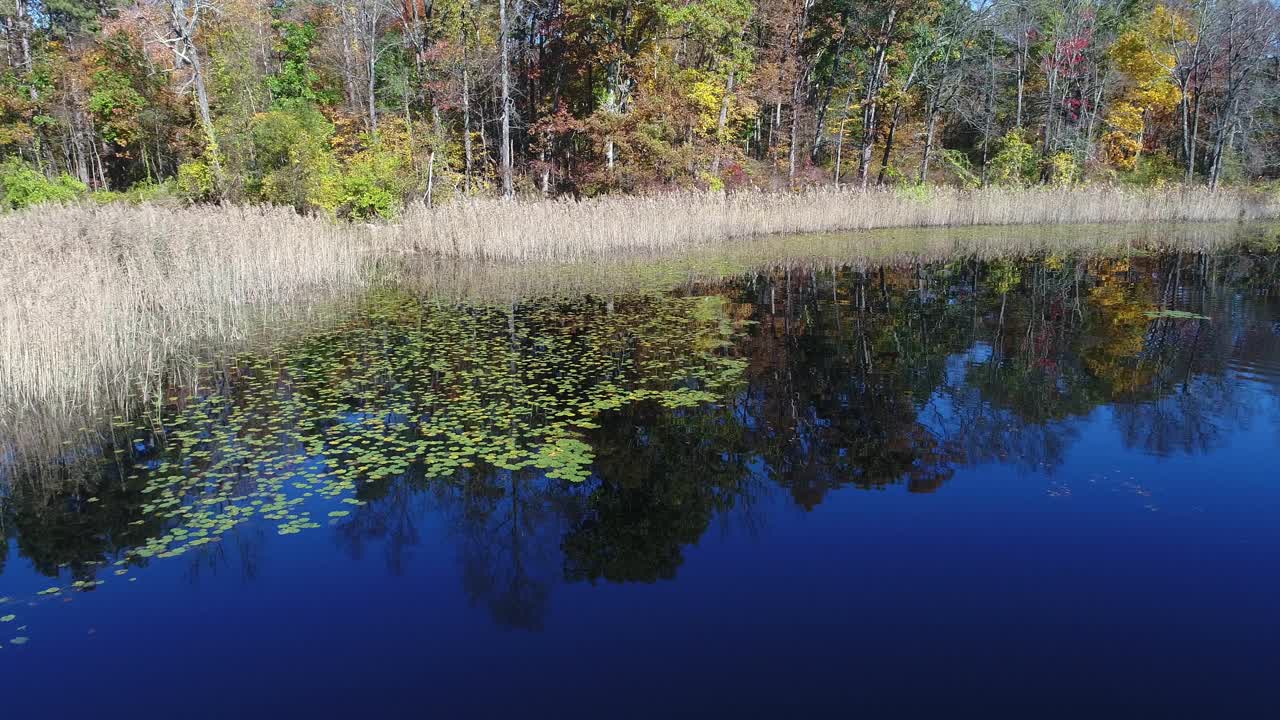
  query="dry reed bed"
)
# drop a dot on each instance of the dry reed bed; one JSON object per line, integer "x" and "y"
{"x": 96, "y": 304}
{"x": 568, "y": 231}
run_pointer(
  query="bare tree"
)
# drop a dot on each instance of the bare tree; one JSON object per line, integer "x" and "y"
{"x": 1245, "y": 33}
{"x": 1190, "y": 61}
{"x": 508, "y": 105}
{"x": 363, "y": 45}
{"x": 174, "y": 24}
{"x": 941, "y": 74}
{"x": 877, "y": 71}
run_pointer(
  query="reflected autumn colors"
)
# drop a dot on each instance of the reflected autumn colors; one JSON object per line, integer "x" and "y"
{"x": 596, "y": 439}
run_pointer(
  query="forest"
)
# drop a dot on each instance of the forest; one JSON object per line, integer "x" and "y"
{"x": 353, "y": 108}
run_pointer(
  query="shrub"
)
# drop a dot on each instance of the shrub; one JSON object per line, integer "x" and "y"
{"x": 958, "y": 166}
{"x": 372, "y": 185}
{"x": 1232, "y": 168}
{"x": 1014, "y": 163}
{"x": 711, "y": 182}
{"x": 24, "y": 186}
{"x": 195, "y": 179}
{"x": 295, "y": 162}
{"x": 917, "y": 192}
{"x": 150, "y": 191}
{"x": 377, "y": 179}
{"x": 147, "y": 191}
{"x": 1061, "y": 168}
{"x": 1154, "y": 170}
{"x": 735, "y": 177}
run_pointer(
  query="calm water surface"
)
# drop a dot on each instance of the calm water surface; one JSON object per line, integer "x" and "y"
{"x": 1022, "y": 487}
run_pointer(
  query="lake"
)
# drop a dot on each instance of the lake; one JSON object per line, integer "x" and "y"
{"x": 1034, "y": 480}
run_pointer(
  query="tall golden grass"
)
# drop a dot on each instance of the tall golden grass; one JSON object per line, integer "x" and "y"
{"x": 97, "y": 304}
{"x": 567, "y": 230}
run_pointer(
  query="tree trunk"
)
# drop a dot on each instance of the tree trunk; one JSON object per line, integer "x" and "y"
{"x": 466, "y": 123}
{"x": 797, "y": 98}
{"x": 1024, "y": 49}
{"x": 869, "y": 104}
{"x": 184, "y": 47}
{"x": 888, "y": 143}
{"x": 24, "y": 30}
{"x": 1195, "y": 136}
{"x": 795, "y": 132}
{"x": 775, "y": 125}
{"x": 504, "y": 33}
{"x": 371, "y": 67}
{"x": 206, "y": 118}
{"x": 722, "y": 120}
{"x": 1184, "y": 110}
{"x": 930, "y": 126}
{"x": 844, "y": 117}
{"x": 1222, "y": 143}
{"x": 350, "y": 81}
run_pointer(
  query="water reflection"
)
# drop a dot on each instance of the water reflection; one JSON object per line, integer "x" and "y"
{"x": 596, "y": 440}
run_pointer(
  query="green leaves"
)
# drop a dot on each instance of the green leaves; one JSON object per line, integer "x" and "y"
{"x": 1176, "y": 315}
{"x": 24, "y": 186}
{"x": 296, "y": 81}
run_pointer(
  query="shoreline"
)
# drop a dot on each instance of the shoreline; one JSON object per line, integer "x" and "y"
{"x": 102, "y": 306}
{"x": 567, "y": 230}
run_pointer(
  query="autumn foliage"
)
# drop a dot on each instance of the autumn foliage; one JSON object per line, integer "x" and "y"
{"x": 354, "y": 108}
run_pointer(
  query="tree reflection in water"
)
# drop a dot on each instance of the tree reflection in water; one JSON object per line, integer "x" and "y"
{"x": 862, "y": 377}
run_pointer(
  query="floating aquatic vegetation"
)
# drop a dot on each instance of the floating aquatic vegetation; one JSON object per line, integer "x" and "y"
{"x": 1176, "y": 315}
{"x": 408, "y": 386}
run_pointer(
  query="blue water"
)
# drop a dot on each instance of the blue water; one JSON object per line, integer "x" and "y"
{"x": 1116, "y": 560}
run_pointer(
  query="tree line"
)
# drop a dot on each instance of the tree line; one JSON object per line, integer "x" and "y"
{"x": 352, "y": 107}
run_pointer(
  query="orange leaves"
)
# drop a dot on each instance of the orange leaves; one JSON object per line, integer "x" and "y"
{"x": 1121, "y": 150}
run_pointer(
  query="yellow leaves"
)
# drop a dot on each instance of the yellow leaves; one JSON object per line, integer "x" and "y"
{"x": 1144, "y": 54}
{"x": 1120, "y": 150}
{"x": 1126, "y": 117}
{"x": 1120, "y": 337}
{"x": 1062, "y": 169}
{"x": 1163, "y": 96}
{"x": 706, "y": 91}
{"x": 15, "y": 133}
{"x": 1169, "y": 26}
{"x": 1132, "y": 55}
{"x": 1148, "y": 69}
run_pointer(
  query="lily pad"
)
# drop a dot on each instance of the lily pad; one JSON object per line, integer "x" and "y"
{"x": 1176, "y": 315}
